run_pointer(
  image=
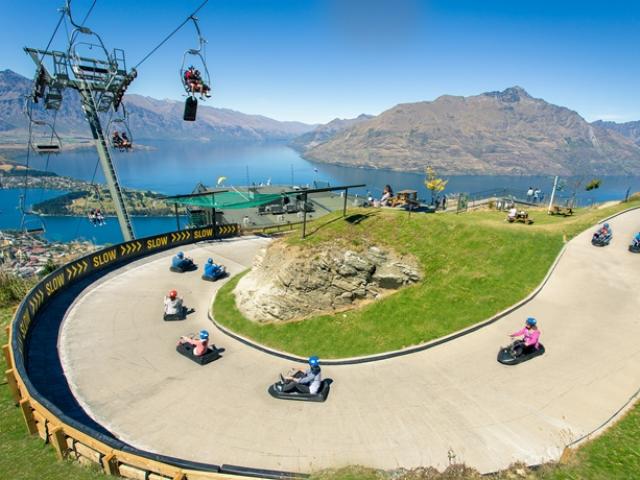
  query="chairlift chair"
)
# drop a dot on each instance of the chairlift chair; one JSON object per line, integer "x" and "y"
{"x": 43, "y": 138}
{"x": 194, "y": 56}
{"x": 88, "y": 67}
{"x": 30, "y": 223}
{"x": 34, "y": 226}
{"x": 120, "y": 124}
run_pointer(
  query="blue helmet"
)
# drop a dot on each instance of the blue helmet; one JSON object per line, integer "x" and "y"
{"x": 606, "y": 225}
{"x": 531, "y": 321}
{"x": 314, "y": 361}
{"x": 204, "y": 335}
{"x": 180, "y": 255}
{"x": 210, "y": 260}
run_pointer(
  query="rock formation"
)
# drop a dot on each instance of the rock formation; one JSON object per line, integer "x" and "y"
{"x": 288, "y": 282}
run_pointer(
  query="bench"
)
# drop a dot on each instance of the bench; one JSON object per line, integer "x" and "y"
{"x": 521, "y": 217}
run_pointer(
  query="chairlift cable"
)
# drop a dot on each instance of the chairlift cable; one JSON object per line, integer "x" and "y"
{"x": 46, "y": 167}
{"x": 88, "y": 13}
{"x": 26, "y": 176}
{"x": 46, "y": 50}
{"x": 186, "y": 20}
{"x": 93, "y": 177}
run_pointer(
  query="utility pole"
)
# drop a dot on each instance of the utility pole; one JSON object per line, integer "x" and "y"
{"x": 101, "y": 83}
{"x": 553, "y": 193}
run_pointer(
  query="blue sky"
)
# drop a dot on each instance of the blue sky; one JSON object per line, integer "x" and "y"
{"x": 314, "y": 60}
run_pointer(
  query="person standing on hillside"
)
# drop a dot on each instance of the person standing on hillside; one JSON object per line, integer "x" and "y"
{"x": 530, "y": 194}
{"x": 387, "y": 195}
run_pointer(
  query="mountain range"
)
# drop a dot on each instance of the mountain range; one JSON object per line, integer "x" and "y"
{"x": 502, "y": 132}
{"x": 148, "y": 118}
{"x": 506, "y": 132}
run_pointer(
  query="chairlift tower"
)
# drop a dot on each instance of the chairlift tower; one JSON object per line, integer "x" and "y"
{"x": 101, "y": 83}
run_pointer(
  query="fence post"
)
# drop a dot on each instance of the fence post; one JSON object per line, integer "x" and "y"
{"x": 110, "y": 464}
{"x": 59, "y": 442}
{"x": 27, "y": 414}
{"x": 7, "y": 355}
{"x": 13, "y": 385}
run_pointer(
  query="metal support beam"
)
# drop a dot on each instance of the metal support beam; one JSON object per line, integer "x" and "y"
{"x": 90, "y": 110}
{"x": 304, "y": 218}
{"x": 553, "y": 194}
{"x": 344, "y": 204}
{"x": 175, "y": 207}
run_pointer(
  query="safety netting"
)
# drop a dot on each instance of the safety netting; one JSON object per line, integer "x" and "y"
{"x": 228, "y": 200}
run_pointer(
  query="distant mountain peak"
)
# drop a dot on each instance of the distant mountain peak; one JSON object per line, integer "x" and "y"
{"x": 510, "y": 95}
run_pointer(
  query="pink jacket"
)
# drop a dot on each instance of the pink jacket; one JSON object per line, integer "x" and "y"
{"x": 531, "y": 336}
{"x": 200, "y": 347}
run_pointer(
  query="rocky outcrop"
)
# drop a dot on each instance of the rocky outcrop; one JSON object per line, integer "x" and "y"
{"x": 290, "y": 283}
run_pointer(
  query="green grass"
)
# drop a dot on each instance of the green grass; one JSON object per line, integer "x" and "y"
{"x": 24, "y": 457}
{"x": 475, "y": 265}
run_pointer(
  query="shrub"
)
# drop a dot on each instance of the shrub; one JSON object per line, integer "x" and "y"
{"x": 13, "y": 288}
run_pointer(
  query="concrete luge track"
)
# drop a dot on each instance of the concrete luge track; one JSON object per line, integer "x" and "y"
{"x": 119, "y": 358}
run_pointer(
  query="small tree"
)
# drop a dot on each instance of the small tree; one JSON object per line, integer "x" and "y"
{"x": 49, "y": 267}
{"x": 434, "y": 184}
{"x": 593, "y": 184}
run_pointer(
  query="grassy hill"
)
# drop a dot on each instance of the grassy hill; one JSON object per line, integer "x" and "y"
{"x": 475, "y": 266}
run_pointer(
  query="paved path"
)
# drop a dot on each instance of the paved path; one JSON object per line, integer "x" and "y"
{"x": 407, "y": 411}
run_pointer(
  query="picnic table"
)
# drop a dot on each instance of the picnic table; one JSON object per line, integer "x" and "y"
{"x": 521, "y": 217}
{"x": 405, "y": 198}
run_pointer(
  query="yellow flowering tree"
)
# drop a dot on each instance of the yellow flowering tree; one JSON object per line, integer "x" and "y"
{"x": 434, "y": 184}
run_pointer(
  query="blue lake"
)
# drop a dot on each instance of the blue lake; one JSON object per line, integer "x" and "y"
{"x": 176, "y": 167}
